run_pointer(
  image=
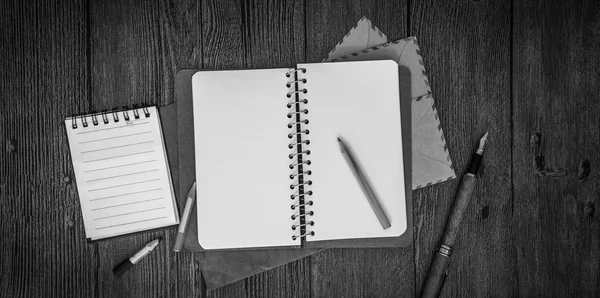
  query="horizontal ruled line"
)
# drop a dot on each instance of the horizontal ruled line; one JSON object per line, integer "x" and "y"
{"x": 112, "y": 157}
{"x": 141, "y": 211}
{"x": 120, "y": 146}
{"x": 123, "y": 136}
{"x": 125, "y": 194}
{"x": 116, "y": 127}
{"x": 129, "y": 164}
{"x": 129, "y": 223}
{"x": 104, "y": 178}
{"x": 115, "y": 186}
{"x": 131, "y": 203}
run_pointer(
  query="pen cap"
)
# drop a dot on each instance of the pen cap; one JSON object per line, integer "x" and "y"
{"x": 119, "y": 270}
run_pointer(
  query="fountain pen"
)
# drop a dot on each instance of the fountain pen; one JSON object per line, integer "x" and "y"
{"x": 441, "y": 262}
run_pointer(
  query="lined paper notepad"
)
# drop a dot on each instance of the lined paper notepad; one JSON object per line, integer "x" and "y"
{"x": 122, "y": 175}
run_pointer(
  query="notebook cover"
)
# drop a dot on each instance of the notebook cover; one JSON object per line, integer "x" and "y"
{"x": 183, "y": 90}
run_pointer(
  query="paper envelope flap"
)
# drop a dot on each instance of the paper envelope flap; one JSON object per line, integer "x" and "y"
{"x": 363, "y": 35}
{"x": 406, "y": 53}
{"x": 432, "y": 157}
{"x": 411, "y": 58}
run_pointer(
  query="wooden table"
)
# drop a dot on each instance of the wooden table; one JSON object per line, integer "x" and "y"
{"x": 527, "y": 71}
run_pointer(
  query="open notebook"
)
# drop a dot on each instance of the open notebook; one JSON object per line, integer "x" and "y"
{"x": 121, "y": 170}
{"x": 269, "y": 170}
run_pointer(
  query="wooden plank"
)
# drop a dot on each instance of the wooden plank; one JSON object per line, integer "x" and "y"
{"x": 43, "y": 78}
{"x": 136, "y": 49}
{"x": 327, "y": 22}
{"x": 181, "y": 40}
{"x": 291, "y": 280}
{"x": 237, "y": 289}
{"x": 556, "y": 112}
{"x": 357, "y": 272}
{"x": 353, "y": 272}
{"x": 466, "y": 48}
{"x": 257, "y": 34}
{"x": 252, "y": 34}
{"x": 126, "y": 70}
{"x": 127, "y": 54}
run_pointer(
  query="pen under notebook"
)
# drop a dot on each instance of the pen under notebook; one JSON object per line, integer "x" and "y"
{"x": 441, "y": 262}
{"x": 185, "y": 218}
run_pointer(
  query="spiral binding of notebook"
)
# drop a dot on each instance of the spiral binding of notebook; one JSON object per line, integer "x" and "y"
{"x": 298, "y": 137}
{"x": 106, "y": 115}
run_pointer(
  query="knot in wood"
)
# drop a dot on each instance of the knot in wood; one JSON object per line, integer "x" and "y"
{"x": 10, "y": 146}
{"x": 589, "y": 209}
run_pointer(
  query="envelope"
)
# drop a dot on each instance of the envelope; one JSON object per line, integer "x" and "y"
{"x": 362, "y": 36}
{"x": 430, "y": 157}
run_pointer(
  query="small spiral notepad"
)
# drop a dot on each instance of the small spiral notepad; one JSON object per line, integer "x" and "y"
{"x": 121, "y": 171}
{"x": 269, "y": 170}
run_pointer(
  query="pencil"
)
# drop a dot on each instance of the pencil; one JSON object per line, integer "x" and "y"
{"x": 364, "y": 184}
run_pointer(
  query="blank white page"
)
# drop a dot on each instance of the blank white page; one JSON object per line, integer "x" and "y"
{"x": 240, "y": 137}
{"x": 122, "y": 175}
{"x": 359, "y": 101}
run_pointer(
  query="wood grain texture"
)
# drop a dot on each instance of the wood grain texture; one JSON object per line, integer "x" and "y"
{"x": 466, "y": 50}
{"x": 180, "y": 32}
{"x": 43, "y": 79}
{"x": 327, "y": 22}
{"x": 127, "y": 68}
{"x": 257, "y": 34}
{"x": 136, "y": 49}
{"x": 357, "y": 272}
{"x": 556, "y": 116}
{"x": 527, "y": 71}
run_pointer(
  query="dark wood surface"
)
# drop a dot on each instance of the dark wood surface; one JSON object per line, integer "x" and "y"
{"x": 527, "y": 71}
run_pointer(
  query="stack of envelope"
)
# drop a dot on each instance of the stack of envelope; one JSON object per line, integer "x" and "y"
{"x": 431, "y": 161}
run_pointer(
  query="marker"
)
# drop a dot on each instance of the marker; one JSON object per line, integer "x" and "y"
{"x": 125, "y": 265}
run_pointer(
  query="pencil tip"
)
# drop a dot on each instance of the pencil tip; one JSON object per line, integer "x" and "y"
{"x": 341, "y": 143}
